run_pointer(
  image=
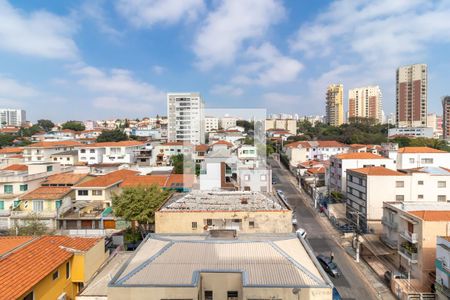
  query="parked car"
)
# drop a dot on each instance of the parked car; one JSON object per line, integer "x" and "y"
{"x": 336, "y": 295}
{"x": 294, "y": 220}
{"x": 328, "y": 265}
{"x": 347, "y": 228}
{"x": 301, "y": 233}
{"x": 275, "y": 180}
{"x": 280, "y": 194}
{"x": 397, "y": 275}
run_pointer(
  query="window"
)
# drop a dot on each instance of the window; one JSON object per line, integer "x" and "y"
{"x": 399, "y": 184}
{"x": 8, "y": 189}
{"x": 251, "y": 224}
{"x": 97, "y": 193}
{"x": 247, "y": 177}
{"x": 427, "y": 160}
{"x": 208, "y": 295}
{"x": 209, "y": 222}
{"x": 38, "y": 205}
{"x": 2, "y": 205}
{"x": 49, "y": 168}
{"x": 399, "y": 197}
{"x": 55, "y": 275}
{"x": 82, "y": 192}
{"x": 232, "y": 295}
{"x": 419, "y": 196}
{"x": 24, "y": 187}
{"x": 420, "y": 182}
{"x": 263, "y": 178}
{"x": 194, "y": 225}
{"x": 412, "y": 160}
{"x": 92, "y": 151}
{"x": 30, "y": 296}
{"x": 67, "y": 270}
{"x": 442, "y": 184}
{"x": 442, "y": 198}
{"x": 83, "y": 151}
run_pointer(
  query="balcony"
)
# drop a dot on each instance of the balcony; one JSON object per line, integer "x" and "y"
{"x": 5, "y": 213}
{"x": 409, "y": 236}
{"x": 32, "y": 214}
{"x": 442, "y": 265}
{"x": 409, "y": 252}
{"x": 393, "y": 244}
{"x": 389, "y": 223}
{"x": 442, "y": 289}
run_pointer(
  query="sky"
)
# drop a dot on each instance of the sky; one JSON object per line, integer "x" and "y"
{"x": 98, "y": 59}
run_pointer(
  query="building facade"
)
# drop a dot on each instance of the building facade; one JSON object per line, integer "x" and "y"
{"x": 446, "y": 117}
{"x": 412, "y": 93}
{"x": 185, "y": 116}
{"x": 12, "y": 117}
{"x": 365, "y": 102}
{"x": 335, "y": 105}
{"x": 211, "y": 124}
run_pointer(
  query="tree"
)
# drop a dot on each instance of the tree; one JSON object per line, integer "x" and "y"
{"x": 27, "y": 132}
{"x": 74, "y": 125}
{"x": 32, "y": 226}
{"x": 139, "y": 204}
{"x": 246, "y": 124}
{"x": 6, "y": 140}
{"x": 46, "y": 125}
{"x": 115, "y": 135}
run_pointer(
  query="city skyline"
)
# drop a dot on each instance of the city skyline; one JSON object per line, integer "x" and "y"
{"x": 94, "y": 59}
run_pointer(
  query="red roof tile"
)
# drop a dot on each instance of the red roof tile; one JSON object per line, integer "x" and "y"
{"x": 54, "y": 144}
{"x": 8, "y": 243}
{"x": 432, "y": 215}
{"x": 420, "y": 150}
{"x": 132, "y": 181}
{"x": 65, "y": 178}
{"x": 108, "y": 179}
{"x": 47, "y": 193}
{"x": 16, "y": 167}
{"x": 222, "y": 142}
{"x": 115, "y": 144}
{"x": 377, "y": 171}
{"x": 11, "y": 150}
{"x": 359, "y": 155}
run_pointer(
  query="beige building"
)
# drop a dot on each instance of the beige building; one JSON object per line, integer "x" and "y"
{"x": 335, "y": 105}
{"x": 365, "y": 102}
{"x": 284, "y": 124}
{"x": 446, "y": 117}
{"x": 412, "y": 93}
{"x": 203, "y": 267}
{"x": 199, "y": 212}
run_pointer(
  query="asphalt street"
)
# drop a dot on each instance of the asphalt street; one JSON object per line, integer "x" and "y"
{"x": 350, "y": 284}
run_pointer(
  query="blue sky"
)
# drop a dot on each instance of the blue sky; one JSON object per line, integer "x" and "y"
{"x": 104, "y": 59}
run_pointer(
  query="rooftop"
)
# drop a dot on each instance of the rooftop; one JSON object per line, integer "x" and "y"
{"x": 11, "y": 150}
{"x": 420, "y": 150}
{"x": 16, "y": 167}
{"x": 54, "y": 144}
{"x": 108, "y": 179}
{"x": 65, "y": 179}
{"x": 320, "y": 144}
{"x": 432, "y": 215}
{"x": 115, "y": 144}
{"x": 359, "y": 155}
{"x": 280, "y": 261}
{"x": 377, "y": 171}
{"x": 47, "y": 193}
{"x": 70, "y": 152}
{"x": 9, "y": 243}
{"x": 429, "y": 170}
{"x": 222, "y": 201}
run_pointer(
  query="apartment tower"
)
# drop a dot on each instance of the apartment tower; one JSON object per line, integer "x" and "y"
{"x": 335, "y": 105}
{"x": 446, "y": 117}
{"x": 12, "y": 117}
{"x": 412, "y": 92}
{"x": 365, "y": 102}
{"x": 185, "y": 118}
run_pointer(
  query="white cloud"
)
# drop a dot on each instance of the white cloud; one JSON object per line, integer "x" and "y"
{"x": 230, "y": 25}
{"x": 277, "y": 102}
{"x": 147, "y": 13}
{"x": 226, "y": 90}
{"x": 39, "y": 33}
{"x": 158, "y": 70}
{"x": 10, "y": 88}
{"x": 93, "y": 9}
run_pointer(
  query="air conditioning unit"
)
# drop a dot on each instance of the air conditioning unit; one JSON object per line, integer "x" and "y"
{"x": 62, "y": 297}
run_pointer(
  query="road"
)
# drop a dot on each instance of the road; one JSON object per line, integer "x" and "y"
{"x": 350, "y": 284}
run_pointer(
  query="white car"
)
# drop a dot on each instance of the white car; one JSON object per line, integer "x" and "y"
{"x": 294, "y": 221}
{"x": 301, "y": 233}
{"x": 280, "y": 194}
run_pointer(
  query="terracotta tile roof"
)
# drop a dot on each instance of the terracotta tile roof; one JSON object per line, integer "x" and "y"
{"x": 377, "y": 171}
{"x": 332, "y": 144}
{"x": 108, "y": 179}
{"x": 65, "y": 178}
{"x": 420, "y": 150}
{"x": 359, "y": 155}
{"x": 312, "y": 163}
{"x": 432, "y": 215}
{"x": 114, "y": 144}
{"x": 178, "y": 180}
{"x": 8, "y": 243}
{"x": 24, "y": 268}
{"x": 319, "y": 170}
{"x": 319, "y": 144}
{"x": 132, "y": 181}
{"x": 9, "y": 130}
{"x": 16, "y": 167}
{"x": 222, "y": 142}
{"x": 201, "y": 148}
{"x": 11, "y": 150}
{"x": 54, "y": 144}
{"x": 447, "y": 238}
{"x": 47, "y": 193}
{"x": 177, "y": 144}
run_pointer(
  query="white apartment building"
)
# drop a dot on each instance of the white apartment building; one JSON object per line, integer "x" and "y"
{"x": 211, "y": 124}
{"x": 339, "y": 164}
{"x": 298, "y": 152}
{"x": 426, "y": 132}
{"x": 284, "y": 124}
{"x": 442, "y": 262}
{"x": 227, "y": 122}
{"x": 365, "y": 102}
{"x": 368, "y": 188}
{"x": 416, "y": 157}
{"x": 42, "y": 151}
{"x": 125, "y": 152}
{"x": 255, "y": 179}
{"x": 12, "y": 117}
{"x": 185, "y": 118}
{"x": 162, "y": 153}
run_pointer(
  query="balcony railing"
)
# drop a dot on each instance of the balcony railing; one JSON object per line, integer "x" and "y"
{"x": 5, "y": 213}
{"x": 409, "y": 236}
{"x": 389, "y": 242}
{"x": 389, "y": 223}
{"x": 442, "y": 265}
{"x": 411, "y": 256}
{"x": 443, "y": 289}
{"x": 32, "y": 214}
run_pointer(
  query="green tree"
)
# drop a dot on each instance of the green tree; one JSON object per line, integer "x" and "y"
{"x": 180, "y": 166}
{"x": 73, "y": 125}
{"x": 139, "y": 204}
{"x": 246, "y": 124}
{"x": 28, "y": 132}
{"x": 32, "y": 226}
{"x": 46, "y": 125}
{"x": 115, "y": 135}
{"x": 6, "y": 140}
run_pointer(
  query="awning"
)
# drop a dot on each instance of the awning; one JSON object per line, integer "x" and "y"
{"x": 373, "y": 244}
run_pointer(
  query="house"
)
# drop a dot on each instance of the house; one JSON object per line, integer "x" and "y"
{"x": 247, "y": 154}
{"x": 289, "y": 125}
{"x": 42, "y": 151}
{"x": 173, "y": 182}
{"x": 442, "y": 283}
{"x": 200, "y": 152}
{"x": 232, "y": 136}
{"x": 221, "y": 144}
{"x": 65, "y": 158}
{"x": 201, "y": 267}
{"x": 60, "y": 135}
{"x": 375, "y": 149}
{"x": 339, "y": 164}
{"x": 163, "y": 152}
{"x": 10, "y": 155}
{"x": 255, "y": 179}
{"x": 199, "y": 212}
{"x": 124, "y": 152}
{"x": 48, "y": 267}
{"x": 415, "y": 157}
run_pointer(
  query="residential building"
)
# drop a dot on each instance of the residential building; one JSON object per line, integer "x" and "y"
{"x": 232, "y": 136}
{"x": 211, "y": 124}
{"x": 412, "y": 132}
{"x": 412, "y": 93}
{"x": 200, "y": 152}
{"x": 65, "y": 158}
{"x": 59, "y": 135}
{"x": 185, "y": 115}
{"x": 335, "y": 105}
{"x": 339, "y": 164}
{"x": 48, "y": 267}
{"x": 12, "y": 117}
{"x": 365, "y": 102}
{"x": 226, "y": 269}
{"x": 42, "y": 151}
{"x": 446, "y": 117}
{"x": 227, "y": 121}
{"x": 254, "y": 178}
{"x": 289, "y": 125}
{"x": 124, "y": 152}
{"x": 163, "y": 152}
{"x": 10, "y": 156}
{"x": 434, "y": 121}
{"x": 375, "y": 149}
{"x": 442, "y": 262}
{"x": 416, "y": 157}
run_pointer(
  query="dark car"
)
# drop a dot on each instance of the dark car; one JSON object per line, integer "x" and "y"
{"x": 388, "y": 276}
{"x": 328, "y": 265}
{"x": 336, "y": 295}
{"x": 275, "y": 180}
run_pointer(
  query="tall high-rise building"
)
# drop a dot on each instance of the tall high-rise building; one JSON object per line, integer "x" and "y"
{"x": 365, "y": 102}
{"x": 12, "y": 117}
{"x": 185, "y": 118}
{"x": 335, "y": 105}
{"x": 412, "y": 93}
{"x": 446, "y": 117}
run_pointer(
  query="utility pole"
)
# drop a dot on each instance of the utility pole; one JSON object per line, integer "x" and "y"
{"x": 357, "y": 213}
